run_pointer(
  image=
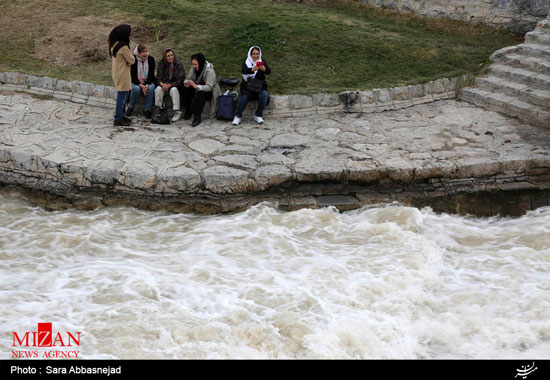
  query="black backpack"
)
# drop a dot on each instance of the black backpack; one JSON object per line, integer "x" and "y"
{"x": 160, "y": 116}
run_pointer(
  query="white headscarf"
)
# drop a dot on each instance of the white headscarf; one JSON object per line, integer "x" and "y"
{"x": 250, "y": 63}
{"x": 142, "y": 66}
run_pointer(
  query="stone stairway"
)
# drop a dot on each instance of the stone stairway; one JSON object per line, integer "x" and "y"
{"x": 518, "y": 80}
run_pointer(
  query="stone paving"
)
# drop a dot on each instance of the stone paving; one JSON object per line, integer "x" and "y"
{"x": 68, "y": 149}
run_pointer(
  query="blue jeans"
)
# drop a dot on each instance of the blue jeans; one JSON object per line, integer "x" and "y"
{"x": 120, "y": 104}
{"x": 136, "y": 91}
{"x": 263, "y": 97}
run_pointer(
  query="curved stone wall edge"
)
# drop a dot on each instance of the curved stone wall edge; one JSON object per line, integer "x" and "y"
{"x": 281, "y": 106}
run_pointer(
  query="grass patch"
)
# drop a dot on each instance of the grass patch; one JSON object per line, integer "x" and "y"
{"x": 319, "y": 46}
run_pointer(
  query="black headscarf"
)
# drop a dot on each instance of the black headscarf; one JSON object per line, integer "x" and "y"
{"x": 201, "y": 60}
{"x": 119, "y": 36}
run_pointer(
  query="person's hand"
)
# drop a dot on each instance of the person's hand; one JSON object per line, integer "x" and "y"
{"x": 193, "y": 84}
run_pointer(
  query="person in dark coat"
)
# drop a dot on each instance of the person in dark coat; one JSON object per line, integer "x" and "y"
{"x": 170, "y": 77}
{"x": 253, "y": 68}
{"x": 143, "y": 80}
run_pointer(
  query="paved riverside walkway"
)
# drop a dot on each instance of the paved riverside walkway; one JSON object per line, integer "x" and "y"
{"x": 347, "y": 159}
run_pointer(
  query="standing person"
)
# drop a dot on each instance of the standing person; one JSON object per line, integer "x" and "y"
{"x": 122, "y": 59}
{"x": 253, "y": 68}
{"x": 170, "y": 77}
{"x": 201, "y": 85}
{"x": 143, "y": 80}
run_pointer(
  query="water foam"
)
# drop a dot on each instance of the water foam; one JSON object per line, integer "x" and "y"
{"x": 379, "y": 282}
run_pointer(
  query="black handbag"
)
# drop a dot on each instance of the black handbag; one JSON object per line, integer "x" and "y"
{"x": 160, "y": 116}
{"x": 226, "y": 107}
{"x": 254, "y": 85}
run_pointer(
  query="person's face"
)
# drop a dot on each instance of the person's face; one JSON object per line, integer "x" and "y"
{"x": 170, "y": 57}
{"x": 144, "y": 54}
{"x": 195, "y": 64}
{"x": 255, "y": 55}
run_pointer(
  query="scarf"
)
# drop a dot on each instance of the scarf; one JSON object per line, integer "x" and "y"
{"x": 142, "y": 66}
{"x": 119, "y": 37}
{"x": 250, "y": 63}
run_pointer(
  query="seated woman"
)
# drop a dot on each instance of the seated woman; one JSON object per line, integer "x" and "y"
{"x": 201, "y": 85}
{"x": 143, "y": 80}
{"x": 170, "y": 77}
{"x": 253, "y": 68}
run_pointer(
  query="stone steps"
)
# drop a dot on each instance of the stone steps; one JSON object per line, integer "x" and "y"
{"x": 520, "y": 75}
{"x": 508, "y": 105}
{"x": 527, "y": 62}
{"x": 520, "y": 91}
{"x": 536, "y": 50}
{"x": 518, "y": 79}
{"x": 537, "y": 38}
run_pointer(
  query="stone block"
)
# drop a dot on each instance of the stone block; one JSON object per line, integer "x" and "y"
{"x": 280, "y": 102}
{"x": 181, "y": 178}
{"x": 304, "y": 112}
{"x": 96, "y": 101}
{"x": 384, "y": 102}
{"x": 369, "y": 97}
{"x": 272, "y": 175}
{"x": 65, "y": 86}
{"x": 15, "y": 78}
{"x": 326, "y": 100}
{"x": 222, "y": 179}
{"x": 78, "y": 98}
{"x": 83, "y": 88}
{"x": 41, "y": 82}
{"x": 298, "y": 102}
{"x": 97, "y": 91}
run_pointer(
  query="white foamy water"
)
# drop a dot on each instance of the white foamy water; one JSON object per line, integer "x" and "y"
{"x": 382, "y": 282}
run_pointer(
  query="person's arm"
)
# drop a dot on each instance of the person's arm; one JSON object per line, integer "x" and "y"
{"x": 245, "y": 69}
{"x": 210, "y": 81}
{"x": 267, "y": 68}
{"x": 151, "y": 76}
{"x": 133, "y": 74}
{"x": 127, "y": 55}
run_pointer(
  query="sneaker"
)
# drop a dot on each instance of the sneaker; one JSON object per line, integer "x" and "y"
{"x": 129, "y": 111}
{"x": 147, "y": 114}
{"x": 126, "y": 119}
{"x": 176, "y": 117}
{"x": 121, "y": 123}
{"x": 236, "y": 120}
{"x": 258, "y": 119}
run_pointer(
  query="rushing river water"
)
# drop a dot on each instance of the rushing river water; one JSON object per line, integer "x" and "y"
{"x": 379, "y": 282}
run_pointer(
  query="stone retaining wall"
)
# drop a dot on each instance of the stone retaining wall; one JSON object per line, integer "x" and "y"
{"x": 519, "y": 16}
{"x": 281, "y": 106}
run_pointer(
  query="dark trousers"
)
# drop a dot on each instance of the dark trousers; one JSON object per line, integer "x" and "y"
{"x": 194, "y": 100}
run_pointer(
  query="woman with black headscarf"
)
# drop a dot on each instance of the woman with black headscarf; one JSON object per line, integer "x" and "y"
{"x": 201, "y": 85}
{"x": 122, "y": 60}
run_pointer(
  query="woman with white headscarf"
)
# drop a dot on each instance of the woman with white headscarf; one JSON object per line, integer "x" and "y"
{"x": 253, "y": 85}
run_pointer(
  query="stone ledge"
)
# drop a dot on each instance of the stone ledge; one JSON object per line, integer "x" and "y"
{"x": 280, "y": 106}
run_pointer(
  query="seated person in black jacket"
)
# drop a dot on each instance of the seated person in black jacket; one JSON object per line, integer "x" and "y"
{"x": 253, "y": 68}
